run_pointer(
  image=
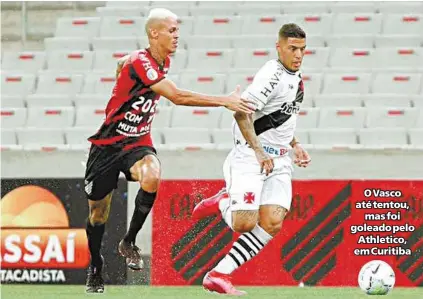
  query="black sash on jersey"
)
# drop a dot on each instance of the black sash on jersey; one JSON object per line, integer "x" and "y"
{"x": 277, "y": 118}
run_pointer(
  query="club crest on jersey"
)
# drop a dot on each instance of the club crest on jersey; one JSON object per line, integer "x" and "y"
{"x": 152, "y": 74}
{"x": 290, "y": 108}
{"x": 249, "y": 197}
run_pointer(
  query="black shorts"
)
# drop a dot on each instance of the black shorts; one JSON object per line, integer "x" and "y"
{"x": 104, "y": 165}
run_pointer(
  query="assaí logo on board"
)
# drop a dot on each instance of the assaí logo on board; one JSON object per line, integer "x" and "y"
{"x": 36, "y": 241}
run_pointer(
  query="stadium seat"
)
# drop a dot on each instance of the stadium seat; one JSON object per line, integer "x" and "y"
{"x": 198, "y": 117}
{"x": 416, "y": 137}
{"x": 383, "y": 137}
{"x": 345, "y": 58}
{"x": 90, "y": 99}
{"x": 398, "y": 83}
{"x": 396, "y": 40}
{"x": 209, "y": 42}
{"x": 337, "y": 101}
{"x": 208, "y": 83}
{"x": 89, "y": 116}
{"x": 106, "y": 61}
{"x": 157, "y": 137}
{"x": 356, "y": 7}
{"x": 162, "y": 117}
{"x": 419, "y": 122}
{"x": 181, "y": 10}
{"x": 302, "y": 135}
{"x": 417, "y": 101}
{"x": 344, "y": 117}
{"x": 307, "y": 118}
{"x": 338, "y": 136}
{"x": 315, "y": 58}
{"x": 8, "y": 137}
{"x": 174, "y": 4}
{"x": 78, "y": 27}
{"x": 357, "y": 23}
{"x": 252, "y": 8}
{"x": 187, "y": 137}
{"x": 346, "y": 83}
{"x": 122, "y": 27}
{"x": 28, "y": 62}
{"x": 121, "y": 11}
{"x": 99, "y": 83}
{"x": 50, "y": 117}
{"x": 178, "y": 61}
{"x": 79, "y": 136}
{"x": 404, "y": 24}
{"x": 352, "y": 41}
{"x": 391, "y": 117}
{"x": 71, "y": 62}
{"x": 400, "y": 7}
{"x": 248, "y": 41}
{"x": 41, "y": 137}
{"x": 211, "y": 60}
{"x": 223, "y": 137}
{"x": 227, "y": 25}
{"x": 124, "y": 3}
{"x": 410, "y": 59}
{"x": 13, "y": 117}
{"x": 304, "y": 7}
{"x": 383, "y": 100}
{"x": 313, "y": 23}
{"x": 265, "y": 24}
{"x": 243, "y": 79}
{"x": 252, "y": 58}
{"x": 59, "y": 84}
{"x": 49, "y": 100}
{"x": 10, "y": 101}
{"x": 67, "y": 44}
{"x": 213, "y": 10}
{"x": 17, "y": 84}
{"x": 115, "y": 44}
{"x": 312, "y": 83}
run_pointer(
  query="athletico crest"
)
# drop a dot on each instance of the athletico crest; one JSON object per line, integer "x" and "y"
{"x": 249, "y": 197}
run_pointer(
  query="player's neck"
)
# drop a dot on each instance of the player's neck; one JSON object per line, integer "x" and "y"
{"x": 159, "y": 56}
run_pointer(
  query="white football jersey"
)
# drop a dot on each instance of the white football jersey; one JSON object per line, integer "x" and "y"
{"x": 277, "y": 93}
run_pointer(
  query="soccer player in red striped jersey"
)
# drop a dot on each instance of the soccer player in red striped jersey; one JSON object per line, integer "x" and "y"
{"x": 123, "y": 143}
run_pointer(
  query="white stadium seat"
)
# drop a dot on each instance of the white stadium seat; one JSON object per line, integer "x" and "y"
{"x": 162, "y": 117}
{"x": 346, "y": 83}
{"x": 17, "y": 84}
{"x": 209, "y": 42}
{"x": 416, "y": 136}
{"x": 304, "y": 7}
{"x": 336, "y": 101}
{"x": 78, "y": 27}
{"x": 391, "y": 117}
{"x": 227, "y": 25}
{"x": 338, "y": 136}
{"x": 357, "y": 23}
{"x": 307, "y": 118}
{"x": 8, "y": 137}
{"x": 212, "y": 60}
{"x": 386, "y": 100}
{"x": 398, "y": 40}
{"x": 410, "y": 59}
{"x": 253, "y": 58}
{"x": 313, "y": 23}
{"x": 344, "y": 117}
{"x": 198, "y": 117}
{"x": 89, "y": 116}
{"x": 312, "y": 83}
{"x": 99, "y": 83}
{"x": 67, "y": 44}
{"x": 115, "y": 44}
{"x": 106, "y": 60}
{"x": 123, "y": 11}
{"x": 353, "y": 41}
{"x": 10, "y": 101}
{"x": 316, "y": 58}
{"x": 13, "y": 117}
{"x": 223, "y": 137}
{"x": 208, "y": 83}
{"x": 50, "y": 117}
{"x": 404, "y": 24}
{"x": 41, "y": 100}
{"x": 42, "y": 137}
{"x": 57, "y": 83}
{"x": 382, "y": 137}
{"x": 30, "y": 62}
{"x": 243, "y": 79}
{"x": 79, "y": 136}
{"x": 344, "y": 58}
{"x": 261, "y": 24}
{"x": 186, "y": 137}
{"x": 397, "y": 83}
{"x": 408, "y": 7}
{"x": 70, "y": 61}
{"x": 122, "y": 26}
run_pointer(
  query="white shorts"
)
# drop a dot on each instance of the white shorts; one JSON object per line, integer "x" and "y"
{"x": 249, "y": 189}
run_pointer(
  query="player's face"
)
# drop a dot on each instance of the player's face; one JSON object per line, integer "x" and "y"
{"x": 168, "y": 35}
{"x": 291, "y": 52}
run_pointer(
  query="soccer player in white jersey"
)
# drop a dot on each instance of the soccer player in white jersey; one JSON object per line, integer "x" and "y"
{"x": 258, "y": 169}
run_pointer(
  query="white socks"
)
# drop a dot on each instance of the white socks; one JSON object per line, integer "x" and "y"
{"x": 244, "y": 249}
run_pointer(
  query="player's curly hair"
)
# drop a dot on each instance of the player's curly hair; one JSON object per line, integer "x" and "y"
{"x": 291, "y": 30}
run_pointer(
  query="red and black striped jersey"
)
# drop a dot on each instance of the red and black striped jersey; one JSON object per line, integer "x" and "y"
{"x": 132, "y": 106}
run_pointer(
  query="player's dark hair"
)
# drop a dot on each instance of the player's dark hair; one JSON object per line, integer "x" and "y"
{"x": 291, "y": 30}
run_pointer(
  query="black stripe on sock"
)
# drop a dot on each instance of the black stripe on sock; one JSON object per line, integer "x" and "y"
{"x": 257, "y": 239}
{"x": 252, "y": 242}
{"x": 234, "y": 258}
{"x": 245, "y": 245}
{"x": 240, "y": 253}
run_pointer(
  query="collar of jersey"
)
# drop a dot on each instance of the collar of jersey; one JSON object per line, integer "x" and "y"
{"x": 285, "y": 69}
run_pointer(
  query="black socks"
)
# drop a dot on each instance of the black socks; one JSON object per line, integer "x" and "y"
{"x": 95, "y": 235}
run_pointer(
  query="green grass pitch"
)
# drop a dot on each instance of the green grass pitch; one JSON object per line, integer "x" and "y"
{"x": 146, "y": 292}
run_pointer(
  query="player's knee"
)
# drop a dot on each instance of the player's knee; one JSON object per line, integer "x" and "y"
{"x": 150, "y": 182}
{"x": 98, "y": 217}
{"x": 244, "y": 221}
{"x": 271, "y": 225}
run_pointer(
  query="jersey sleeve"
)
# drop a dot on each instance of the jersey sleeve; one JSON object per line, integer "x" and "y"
{"x": 147, "y": 70}
{"x": 263, "y": 85}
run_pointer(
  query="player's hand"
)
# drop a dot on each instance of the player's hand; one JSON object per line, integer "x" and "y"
{"x": 265, "y": 161}
{"x": 301, "y": 157}
{"x": 235, "y": 103}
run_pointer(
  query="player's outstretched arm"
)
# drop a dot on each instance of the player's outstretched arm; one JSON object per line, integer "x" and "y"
{"x": 246, "y": 126}
{"x": 178, "y": 96}
{"x": 120, "y": 63}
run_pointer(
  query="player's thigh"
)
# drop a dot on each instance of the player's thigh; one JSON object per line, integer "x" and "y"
{"x": 244, "y": 186}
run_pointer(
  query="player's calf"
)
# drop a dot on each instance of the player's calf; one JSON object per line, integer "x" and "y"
{"x": 243, "y": 221}
{"x": 271, "y": 218}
